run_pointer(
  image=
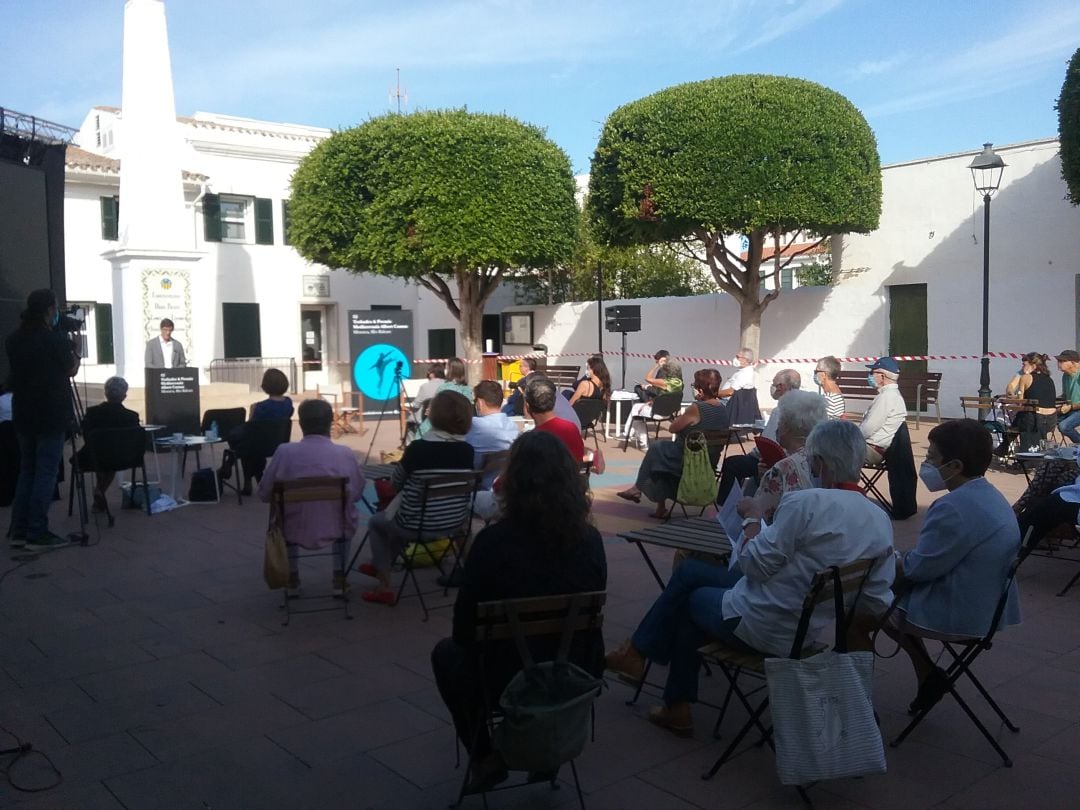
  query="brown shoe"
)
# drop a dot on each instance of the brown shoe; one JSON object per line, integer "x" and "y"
{"x": 626, "y": 662}
{"x": 677, "y": 719}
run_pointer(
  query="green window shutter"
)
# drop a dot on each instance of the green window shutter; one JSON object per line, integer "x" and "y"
{"x": 211, "y": 206}
{"x": 285, "y": 223}
{"x": 264, "y": 221}
{"x": 103, "y": 325}
{"x": 110, "y": 216}
{"x": 785, "y": 278}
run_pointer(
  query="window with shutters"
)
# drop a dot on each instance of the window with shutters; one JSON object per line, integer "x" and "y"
{"x": 234, "y": 218}
{"x": 237, "y": 218}
{"x": 110, "y": 218}
{"x": 286, "y": 221}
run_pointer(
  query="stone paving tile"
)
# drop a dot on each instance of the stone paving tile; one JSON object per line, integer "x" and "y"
{"x": 87, "y": 796}
{"x": 332, "y": 696}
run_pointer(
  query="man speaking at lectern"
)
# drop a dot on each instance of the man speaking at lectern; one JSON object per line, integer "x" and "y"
{"x": 164, "y": 352}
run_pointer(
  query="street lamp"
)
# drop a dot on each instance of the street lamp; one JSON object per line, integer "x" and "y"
{"x": 986, "y": 171}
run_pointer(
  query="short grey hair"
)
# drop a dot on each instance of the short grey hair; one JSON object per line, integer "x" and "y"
{"x": 840, "y": 447}
{"x": 789, "y": 378}
{"x": 116, "y": 389}
{"x": 799, "y": 412}
{"x": 747, "y": 353}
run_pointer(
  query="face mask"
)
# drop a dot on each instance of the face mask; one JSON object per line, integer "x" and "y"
{"x": 871, "y": 381}
{"x": 931, "y": 476}
{"x": 774, "y": 391}
{"x": 56, "y": 319}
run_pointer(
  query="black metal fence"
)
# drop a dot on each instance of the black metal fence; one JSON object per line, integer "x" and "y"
{"x": 250, "y": 370}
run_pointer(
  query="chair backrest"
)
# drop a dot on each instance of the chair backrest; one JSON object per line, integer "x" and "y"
{"x": 743, "y": 407}
{"x": 589, "y": 412}
{"x": 228, "y": 419}
{"x": 117, "y": 449}
{"x": 494, "y": 463}
{"x": 836, "y": 584}
{"x": 424, "y": 499}
{"x": 976, "y": 404}
{"x": 309, "y": 490}
{"x": 540, "y": 615}
{"x": 264, "y": 436}
{"x": 665, "y": 405}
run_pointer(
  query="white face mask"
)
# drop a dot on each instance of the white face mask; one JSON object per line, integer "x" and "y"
{"x": 736, "y": 361}
{"x": 931, "y": 477}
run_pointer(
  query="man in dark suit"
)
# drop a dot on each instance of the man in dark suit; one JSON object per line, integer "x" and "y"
{"x": 109, "y": 414}
{"x": 164, "y": 351}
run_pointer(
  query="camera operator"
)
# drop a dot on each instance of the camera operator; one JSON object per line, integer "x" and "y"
{"x": 42, "y": 359}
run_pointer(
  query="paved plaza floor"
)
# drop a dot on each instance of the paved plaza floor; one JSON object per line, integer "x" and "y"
{"x": 153, "y": 669}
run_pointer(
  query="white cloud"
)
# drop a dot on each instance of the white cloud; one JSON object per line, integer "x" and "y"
{"x": 779, "y": 24}
{"x": 878, "y": 67}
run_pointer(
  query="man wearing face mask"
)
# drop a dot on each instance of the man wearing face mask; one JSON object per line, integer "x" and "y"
{"x": 954, "y": 575}
{"x": 887, "y": 411}
{"x": 42, "y": 361}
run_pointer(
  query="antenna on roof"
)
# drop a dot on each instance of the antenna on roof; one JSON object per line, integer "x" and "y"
{"x": 398, "y": 95}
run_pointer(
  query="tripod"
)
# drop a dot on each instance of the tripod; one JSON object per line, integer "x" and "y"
{"x": 396, "y": 394}
{"x": 78, "y": 484}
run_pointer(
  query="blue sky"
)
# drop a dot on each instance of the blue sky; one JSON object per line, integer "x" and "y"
{"x": 930, "y": 77}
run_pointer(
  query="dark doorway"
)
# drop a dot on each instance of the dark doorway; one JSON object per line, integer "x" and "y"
{"x": 241, "y": 330}
{"x": 492, "y": 330}
{"x": 907, "y": 325}
{"x": 311, "y": 339}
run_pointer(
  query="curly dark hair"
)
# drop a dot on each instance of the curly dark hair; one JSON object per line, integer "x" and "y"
{"x": 1038, "y": 360}
{"x": 543, "y": 492}
{"x": 598, "y": 367}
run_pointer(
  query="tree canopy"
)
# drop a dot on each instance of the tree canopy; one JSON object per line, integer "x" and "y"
{"x": 1068, "y": 109}
{"x": 768, "y": 157}
{"x": 451, "y": 199}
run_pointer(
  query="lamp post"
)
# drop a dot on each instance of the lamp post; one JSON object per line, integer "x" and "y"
{"x": 986, "y": 171}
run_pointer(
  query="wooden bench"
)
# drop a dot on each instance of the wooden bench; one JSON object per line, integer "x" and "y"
{"x": 922, "y": 389}
{"x": 562, "y": 376}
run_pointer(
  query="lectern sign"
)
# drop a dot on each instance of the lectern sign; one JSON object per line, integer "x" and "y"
{"x": 172, "y": 399}
{"x": 380, "y": 341}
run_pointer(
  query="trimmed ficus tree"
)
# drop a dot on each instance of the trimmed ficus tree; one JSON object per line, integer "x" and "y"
{"x": 1068, "y": 110}
{"x": 451, "y": 199}
{"x": 766, "y": 157}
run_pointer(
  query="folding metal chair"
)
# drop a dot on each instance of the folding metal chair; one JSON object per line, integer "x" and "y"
{"x": 115, "y": 450}
{"x": 963, "y": 653}
{"x": 227, "y": 419}
{"x": 664, "y": 408}
{"x": 433, "y": 487}
{"x": 732, "y": 663}
{"x": 871, "y": 474}
{"x": 589, "y": 413}
{"x": 522, "y": 621}
{"x": 325, "y": 489}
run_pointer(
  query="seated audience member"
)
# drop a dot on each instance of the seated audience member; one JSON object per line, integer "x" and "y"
{"x": 887, "y": 411}
{"x": 951, "y": 581}
{"x": 1068, "y": 363}
{"x": 544, "y": 545}
{"x": 596, "y": 384}
{"x": 276, "y": 406}
{"x": 1049, "y": 476}
{"x": 739, "y": 468}
{"x": 756, "y": 608}
{"x": 1031, "y": 382}
{"x": 541, "y": 402}
{"x": 665, "y": 376}
{"x": 1060, "y": 508}
{"x": 109, "y": 414}
{"x": 457, "y": 381}
{"x": 796, "y": 415}
{"x": 315, "y": 525}
{"x": 492, "y": 431}
{"x": 441, "y": 450}
{"x": 515, "y": 403}
{"x": 744, "y": 376}
{"x": 660, "y": 470}
{"x": 826, "y": 374}
{"x": 436, "y": 376}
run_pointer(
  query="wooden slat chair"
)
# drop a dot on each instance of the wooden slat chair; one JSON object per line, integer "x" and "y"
{"x": 1011, "y": 407}
{"x": 963, "y": 652}
{"x": 522, "y": 621}
{"x": 733, "y": 663}
{"x": 328, "y": 489}
{"x": 664, "y": 408}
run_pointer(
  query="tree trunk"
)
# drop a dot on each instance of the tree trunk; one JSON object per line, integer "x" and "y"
{"x": 472, "y": 325}
{"x": 750, "y": 324}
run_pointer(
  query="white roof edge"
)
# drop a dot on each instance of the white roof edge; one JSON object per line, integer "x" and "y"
{"x": 1004, "y": 148}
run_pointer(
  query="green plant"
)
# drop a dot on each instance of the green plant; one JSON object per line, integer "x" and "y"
{"x": 767, "y": 157}
{"x": 1068, "y": 110}
{"x": 451, "y": 199}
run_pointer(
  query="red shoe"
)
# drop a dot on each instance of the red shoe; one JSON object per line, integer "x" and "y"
{"x": 367, "y": 569}
{"x": 388, "y": 598}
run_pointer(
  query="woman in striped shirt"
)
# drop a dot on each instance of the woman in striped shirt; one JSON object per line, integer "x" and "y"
{"x": 442, "y": 450}
{"x": 825, "y": 375}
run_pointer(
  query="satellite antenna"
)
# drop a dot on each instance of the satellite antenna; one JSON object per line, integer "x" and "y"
{"x": 398, "y": 95}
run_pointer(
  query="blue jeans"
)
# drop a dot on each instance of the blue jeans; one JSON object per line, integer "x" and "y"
{"x": 687, "y": 614}
{"x": 39, "y": 462}
{"x": 1068, "y": 425}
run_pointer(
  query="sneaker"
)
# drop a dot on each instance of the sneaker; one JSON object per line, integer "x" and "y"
{"x": 47, "y": 542}
{"x": 17, "y": 541}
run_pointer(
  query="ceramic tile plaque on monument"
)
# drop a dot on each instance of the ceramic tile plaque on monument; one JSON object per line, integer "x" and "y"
{"x": 172, "y": 399}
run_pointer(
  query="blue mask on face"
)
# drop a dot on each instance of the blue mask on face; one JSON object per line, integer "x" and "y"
{"x": 56, "y": 319}
{"x": 870, "y": 380}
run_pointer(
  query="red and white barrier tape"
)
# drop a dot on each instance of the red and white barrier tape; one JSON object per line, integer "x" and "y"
{"x": 770, "y": 361}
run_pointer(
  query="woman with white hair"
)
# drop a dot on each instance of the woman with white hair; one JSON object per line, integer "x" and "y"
{"x": 109, "y": 414}
{"x": 756, "y": 608}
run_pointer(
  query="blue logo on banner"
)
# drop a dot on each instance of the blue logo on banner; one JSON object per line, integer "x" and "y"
{"x": 373, "y": 373}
